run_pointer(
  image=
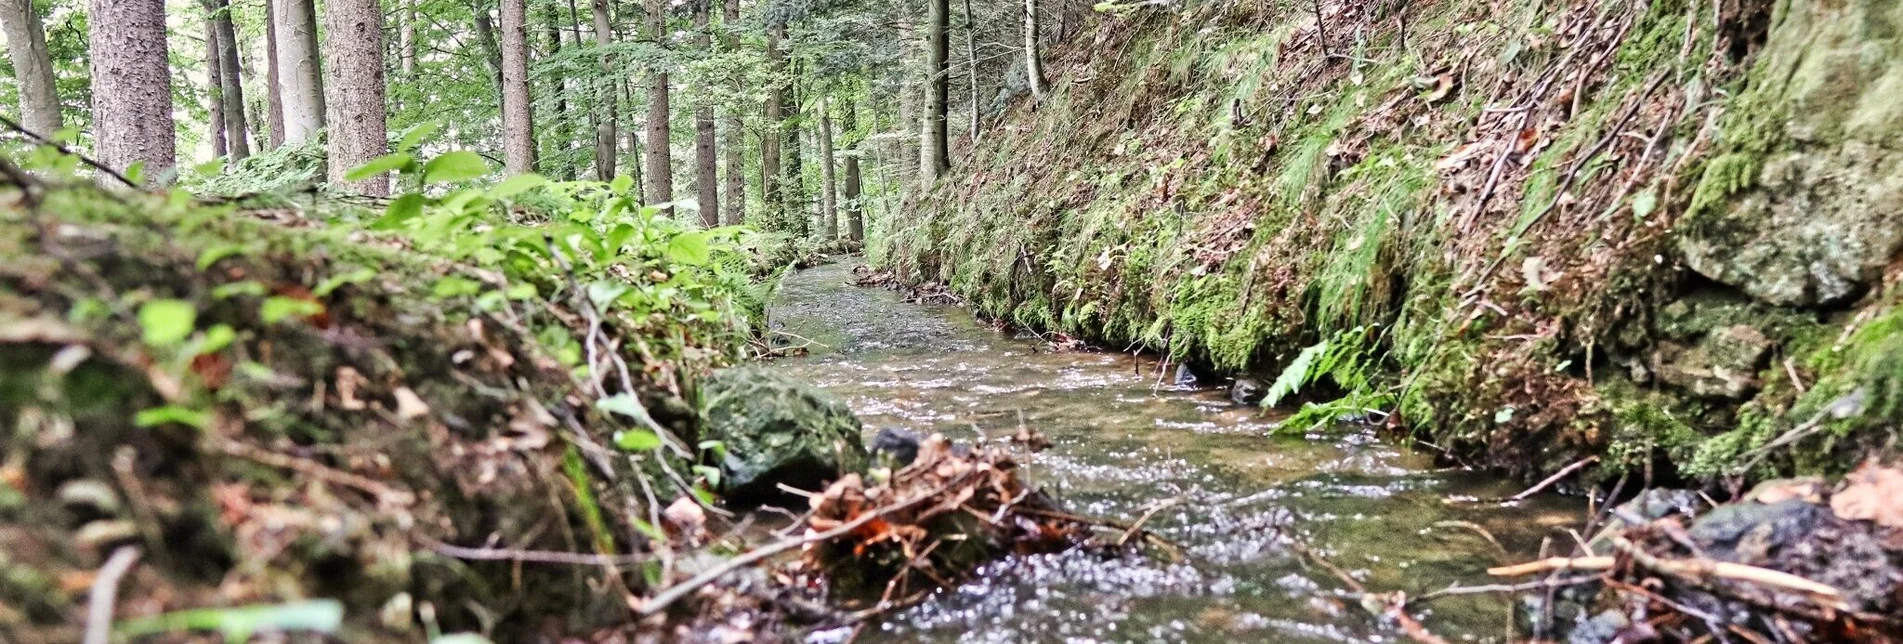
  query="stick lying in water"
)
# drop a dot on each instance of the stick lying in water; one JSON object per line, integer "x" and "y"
{"x": 1691, "y": 569}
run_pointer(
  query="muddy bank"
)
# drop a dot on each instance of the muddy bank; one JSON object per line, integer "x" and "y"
{"x": 1533, "y": 233}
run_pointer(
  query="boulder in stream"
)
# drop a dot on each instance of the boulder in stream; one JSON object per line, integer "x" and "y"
{"x": 776, "y": 430}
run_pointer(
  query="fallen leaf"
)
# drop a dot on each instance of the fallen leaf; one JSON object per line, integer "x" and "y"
{"x": 348, "y": 380}
{"x": 1871, "y": 493}
{"x": 409, "y": 406}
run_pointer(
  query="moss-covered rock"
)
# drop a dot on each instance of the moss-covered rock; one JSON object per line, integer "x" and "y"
{"x": 1816, "y": 217}
{"x": 775, "y": 430}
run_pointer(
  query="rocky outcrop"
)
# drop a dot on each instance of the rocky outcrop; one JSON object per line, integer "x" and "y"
{"x": 1815, "y": 166}
{"x": 774, "y": 430}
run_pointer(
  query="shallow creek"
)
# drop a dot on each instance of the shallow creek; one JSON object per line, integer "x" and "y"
{"x": 1123, "y": 442}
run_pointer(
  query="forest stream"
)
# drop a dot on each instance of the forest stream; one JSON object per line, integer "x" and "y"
{"x": 1237, "y": 492}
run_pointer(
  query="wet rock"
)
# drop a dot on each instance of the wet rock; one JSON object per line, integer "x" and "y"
{"x": 1810, "y": 216}
{"x": 894, "y": 448}
{"x": 1247, "y": 391}
{"x": 1722, "y": 365}
{"x": 777, "y": 430}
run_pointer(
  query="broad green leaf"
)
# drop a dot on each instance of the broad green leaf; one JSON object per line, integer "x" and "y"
{"x": 461, "y": 165}
{"x": 247, "y": 287}
{"x": 239, "y": 624}
{"x": 172, "y": 414}
{"x": 621, "y": 184}
{"x": 211, "y": 255}
{"x": 278, "y": 309}
{"x": 417, "y": 134}
{"x": 167, "y": 322}
{"x": 624, "y": 404}
{"x": 522, "y": 292}
{"x": 380, "y": 165}
{"x": 710, "y": 473}
{"x": 455, "y": 286}
{"x": 334, "y": 282}
{"x": 601, "y": 293}
{"x": 637, "y": 440}
{"x": 136, "y": 173}
{"x": 1294, "y": 376}
{"x": 216, "y": 339}
{"x": 401, "y": 211}
{"x": 689, "y": 248}
{"x": 211, "y": 168}
{"x": 516, "y": 185}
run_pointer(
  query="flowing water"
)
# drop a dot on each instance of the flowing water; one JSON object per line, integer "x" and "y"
{"x": 1123, "y": 442}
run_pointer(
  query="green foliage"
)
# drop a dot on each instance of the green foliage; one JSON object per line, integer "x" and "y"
{"x": 166, "y": 322}
{"x": 240, "y": 623}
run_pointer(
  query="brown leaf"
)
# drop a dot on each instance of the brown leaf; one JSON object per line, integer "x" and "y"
{"x": 1871, "y": 493}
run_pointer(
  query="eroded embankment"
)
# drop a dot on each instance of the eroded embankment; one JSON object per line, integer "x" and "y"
{"x": 273, "y": 410}
{"x": 1661, "y": 233}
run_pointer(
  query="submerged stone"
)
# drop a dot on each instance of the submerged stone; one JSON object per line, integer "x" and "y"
{"x": 777, "y": 430}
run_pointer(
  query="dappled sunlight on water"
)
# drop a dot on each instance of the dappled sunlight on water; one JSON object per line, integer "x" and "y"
{"x": 1123, "y": 441}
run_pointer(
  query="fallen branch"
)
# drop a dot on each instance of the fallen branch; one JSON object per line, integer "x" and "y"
{"x": 1555, "y": 478}
{"x": 1688, "y": 569}
{"x": 105, "y": 593}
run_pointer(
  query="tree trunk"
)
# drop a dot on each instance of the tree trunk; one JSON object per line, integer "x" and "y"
{"x": 828, "y": 193}
{"x": 231, "y": 78}
{"x": 793, "y": 182}
{"x": 971, "y": 68}
{"x": 358, "y": 126}
{"x": 855, "y": 209}
{"x": 734, "y": 213}
{"x": 518, "y": 124}
{"x": 1033, "y": 68}
{"x": 132, "y": 86}
{"x": 660, "y": 153}
{"x": 607, "y": 120}
{"x": 486, "y": 38}
{"x": 214, "y": 88}
{"x": 273, "y": 81}
{"x": 908, "y": 109}
{"x": 706, "y": 152}
{"x": 406, "y": 41}
{"x": 937, "y": 101}
{"x": 26, "y": 45}
{"x": 770, "y": 188}
{"x": 301, "y": 77}
{"x": 558, "y": 120}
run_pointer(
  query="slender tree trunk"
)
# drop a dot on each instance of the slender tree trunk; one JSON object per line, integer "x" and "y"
{"x": 851, "y": 198}
{"x": 908, "y": 109}
{"x": 231, "y": 78}
{"x": 358, "y": 122}
{"x": 214, "y": 88}
{"x": 558, "y": 120}
{"x": 706, "y": 152}
{"x": 300, "y": 74}
{"x": 736, "y": 206}
{"x": 660, "y": 153}
{"x": 607, "y": 119}
{"x": 273, "y": 81}
{"x": 518, "y": 123}
{"x": 635, "y": 160}
{"x": 131, "y": 85}
{"x": 938, "y": 143}
{"x": 486, "y": 38}
{"x": 406, "y": 41}
{"x": 828, "y": 193}
{"x": 794, "y": 181}
{"x": 770, "y": 188}
{"x": 1033, "y": 68}
{"x": 971, "y": 68}
{"x": 26, "y": 45}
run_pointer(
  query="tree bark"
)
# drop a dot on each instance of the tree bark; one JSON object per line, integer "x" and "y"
{"x": 908, "y": 110}
{"x": 734, "y": 212}
{"x": 358, "y": 122}
{"x": 518, "y": 123}
{"x": 1033, "y": 68}
{"x": 558, "y": 120}
{"x": 214, "y": 88}
{"x": 938, "y": 55}
{"x": 853, "y": 191}
{"x": 607, "y": 120}
{"x": 406, "y": 41}
{"x": 971, "y": 68}
{"x": 793, "y": 182}
{"x": 770, "y": 188}
{"x": 300, "y": 73}
{"x": 132, "y": 86}
{"x": 273, "y": 81}
{"x": 231, "y": 80}
{"x": 706, "y": 152}
{"x": 486, "y": 38}
{"x": 660, "y": 152}
{"x": 828, "y": 193}
{"x": 26, "y": 45}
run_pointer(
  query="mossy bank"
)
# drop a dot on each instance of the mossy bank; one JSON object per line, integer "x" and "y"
{"x": 1661, "y": 233}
